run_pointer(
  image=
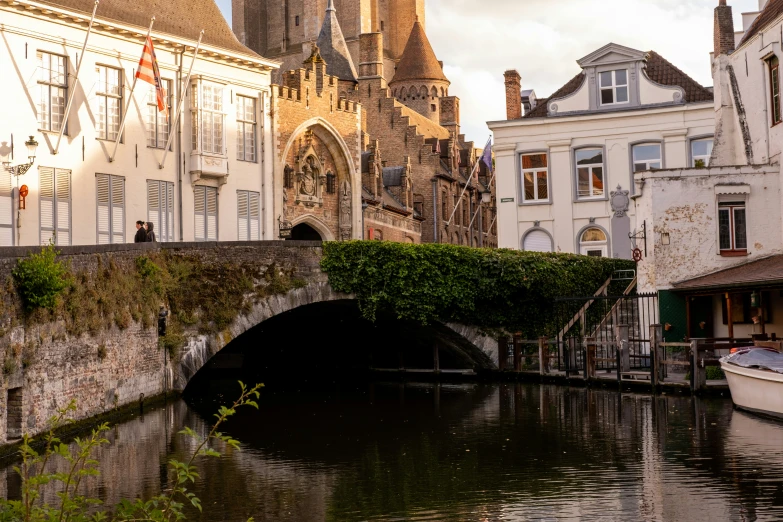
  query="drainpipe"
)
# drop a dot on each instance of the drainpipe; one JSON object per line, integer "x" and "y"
{"x": 435, "y": 238}
{"x": 180, "y": 154}
{"x": 262, "y": 135}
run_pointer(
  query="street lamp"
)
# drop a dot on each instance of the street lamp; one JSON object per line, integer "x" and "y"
{"x": 486, "y": 197}
{"x": 19, "y": 170}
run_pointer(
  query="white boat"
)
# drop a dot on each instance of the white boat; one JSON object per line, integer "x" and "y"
{"x": 755, "y": 379}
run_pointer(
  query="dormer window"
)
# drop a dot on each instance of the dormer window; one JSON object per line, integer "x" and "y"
{"x": 614, "y": 87}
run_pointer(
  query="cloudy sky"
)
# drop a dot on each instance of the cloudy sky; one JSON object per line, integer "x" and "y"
{"x": 479, "y": 39}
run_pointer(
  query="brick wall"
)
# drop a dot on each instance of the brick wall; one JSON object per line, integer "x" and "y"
{"x": 724, "y": 29}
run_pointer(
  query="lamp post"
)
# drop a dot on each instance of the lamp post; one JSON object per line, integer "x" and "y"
{"x": 16, "y": 171}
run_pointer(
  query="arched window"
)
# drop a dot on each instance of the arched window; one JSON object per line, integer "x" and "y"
{"x": 594, "y": 243}
{"x": 537, "y": 241}
{"x": 434, "y": 93}
{"x": 403, "y": 93}
{"x": 423, "y": 92}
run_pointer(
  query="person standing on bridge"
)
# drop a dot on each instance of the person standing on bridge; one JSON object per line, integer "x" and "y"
{"x": 141, "y": 233}
{"x": 150, "y": 232}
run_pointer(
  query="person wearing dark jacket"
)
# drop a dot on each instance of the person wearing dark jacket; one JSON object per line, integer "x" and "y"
{"x": 150, "y": 232}
{"x": 141, "y": 234}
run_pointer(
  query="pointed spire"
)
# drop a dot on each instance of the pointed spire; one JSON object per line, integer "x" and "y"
{"x": 418, "y": 61}
{"x": 333, "y": 48}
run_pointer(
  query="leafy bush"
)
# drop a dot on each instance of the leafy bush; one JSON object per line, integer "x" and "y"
{"x": 40, "y": 279}
{"x": 715, "y": 373}
{"x": 491, "y": 289}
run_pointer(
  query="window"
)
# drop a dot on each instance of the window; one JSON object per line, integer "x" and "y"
{"x": 6, "y": 209}
{"x": 535, "y": 178}
{"x": 206, "y": 209}
{"x": 111, "y": 209}
{"x": 444, "y": 208}
{"x": 158, "y": 126}
{"x": 296, "y": 20}
{"x": 614, "y": 87}
{"x": 590, "y": 173}
{"x": 465, "y": 219}
{"x": 246, "y": 128}
{"x": 741, "y": 310}
{"x": 774, "y": 88}
{"x": 288, "y": 177}
{"x": 701, "y": 150}
{"x": 249, "y": 215}
{"x": 52, "y": 91}
{"x": 207, "y": 118}
{"x": 109, "y": 102}
{"x": 331, "y": 183}
{"x": 160, "y": 208}
{"x": 593, "y": 243}
{"x": 55, "y": 211}
{"x": 537, "y": 241}
{"x": 647, "y": 156}
{"x": 732, "y": 228}
{"x": 434, "y": 107}
{"x": 377, "y": 235}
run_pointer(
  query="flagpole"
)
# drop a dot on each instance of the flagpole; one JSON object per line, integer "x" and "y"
{"x": 466, "y": 187}
{"x": 130, "y": 100}
{"x": 181, "y": 101}
{"x": 75, "y": 79}
{"x": 489, "y": 186}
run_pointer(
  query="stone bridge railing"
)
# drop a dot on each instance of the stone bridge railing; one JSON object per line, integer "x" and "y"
{"x": 50, "y": 359}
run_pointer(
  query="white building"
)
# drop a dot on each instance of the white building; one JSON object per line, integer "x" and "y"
{"x": 716, "y": 234}
{"x": 565, "y": 168}
{"x": 217, "y": 178}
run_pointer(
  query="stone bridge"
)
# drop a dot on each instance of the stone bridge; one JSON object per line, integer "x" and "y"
{"x": 106, "y": 359}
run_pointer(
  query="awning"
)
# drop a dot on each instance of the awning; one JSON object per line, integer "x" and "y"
{"x": 756, "y": 274}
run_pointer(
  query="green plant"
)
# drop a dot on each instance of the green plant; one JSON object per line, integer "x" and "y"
{"x": 715, "y": 373}
{"x": 40, "y": 279}
{"x": 78, "y": 462}
{"x": 102, "y": 352}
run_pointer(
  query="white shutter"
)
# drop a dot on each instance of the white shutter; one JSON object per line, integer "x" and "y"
{"x": 255, "y": 216}
{"x": 63, "y": 206}
{"x": 46, "y": 195}
{"x": 242, "y": 215}
{"x": 212, "y": 213}
{"x": 537, "y": 241}
{"x": 104, "y": 229}
{"x": 199, "y": 194}
{"x": 6, "y": 210}
{"x": 170, "y": 212}
{"x": 153, "y": 207}
{"x": 117, "y": 209}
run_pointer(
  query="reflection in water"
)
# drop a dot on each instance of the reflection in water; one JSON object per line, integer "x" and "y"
{"x": 462, "y": 453}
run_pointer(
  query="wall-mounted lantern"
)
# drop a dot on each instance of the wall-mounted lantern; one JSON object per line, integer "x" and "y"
{"x": 285, "y": 227}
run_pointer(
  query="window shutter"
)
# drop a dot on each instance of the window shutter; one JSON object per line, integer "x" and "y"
{"x": 153, "y": 206}
{"x": 211, "y": 213}
{"x": 117, "y": 209}
{"x": 170, "y": 212}
{"x": 242, "y": 215}
{"x": 6, "y": 210}
{"x": 104, "y": 230}
{"x": 63, "y": 206}
{"x": 537, "y": 241}
{"x": 46, "y": 194}
{"x": 255, "y": 216}
{"x": 199, "y": 194}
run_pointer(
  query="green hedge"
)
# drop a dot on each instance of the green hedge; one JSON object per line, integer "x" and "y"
{"x": 491, "y": 289}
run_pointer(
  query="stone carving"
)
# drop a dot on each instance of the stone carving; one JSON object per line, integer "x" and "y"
{"x": 620, "y": 201}
{"x": 309, "y": 178}
{"x": 346, "y": 218}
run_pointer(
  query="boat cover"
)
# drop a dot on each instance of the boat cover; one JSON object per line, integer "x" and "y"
{"x": 763, "y": 358}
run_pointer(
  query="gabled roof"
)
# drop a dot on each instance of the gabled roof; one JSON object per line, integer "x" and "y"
{"x": 182, "y": 18}
{"x": 333, "y": 48}
{"x": 418, "y": 61}
{"x": 657, "y": 68}
{"x": 769, "y": 14}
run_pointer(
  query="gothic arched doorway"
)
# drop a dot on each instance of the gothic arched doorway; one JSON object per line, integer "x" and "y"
{"x": 304, "y": 232}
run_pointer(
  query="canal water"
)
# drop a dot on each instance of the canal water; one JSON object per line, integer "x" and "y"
{"x": 472, "y": 452}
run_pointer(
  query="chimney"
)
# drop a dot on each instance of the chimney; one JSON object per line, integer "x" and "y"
{"x": 724, "y": 29}
{"x": 513, "y": 95}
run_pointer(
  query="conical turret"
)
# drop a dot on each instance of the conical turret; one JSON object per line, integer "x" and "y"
{"x": 333, "y": 48}
{"x": 418, "y": 61}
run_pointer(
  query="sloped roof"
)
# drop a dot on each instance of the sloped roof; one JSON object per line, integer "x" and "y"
{"x": 333, "y": 48}
{"x": 418, "y": 61}
{"x": 389, "y": 201}
{"x": 392, "y": 176}
{"x": 424, "y": 126}
{"x": 657, "y": 68}
{"x": 182, "y": 18}
{"x": 767, "y": 271}
{"x": 769, "y": 14}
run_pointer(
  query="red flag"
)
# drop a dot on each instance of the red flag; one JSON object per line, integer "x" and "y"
{"x": 149, "y": 72}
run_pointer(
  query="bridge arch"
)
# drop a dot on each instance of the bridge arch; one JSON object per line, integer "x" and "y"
{"x": 198, "y": 351}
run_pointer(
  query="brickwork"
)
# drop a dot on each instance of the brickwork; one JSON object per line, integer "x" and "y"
{"x": 724, "y": 29}
{"x": 513, "y": 95}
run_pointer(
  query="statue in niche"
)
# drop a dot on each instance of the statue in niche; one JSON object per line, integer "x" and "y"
{"x": 309, "y": 176}
{"x": 346, "y": 222}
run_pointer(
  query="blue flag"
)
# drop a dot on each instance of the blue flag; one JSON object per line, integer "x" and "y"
{"x": 486, "y": 157}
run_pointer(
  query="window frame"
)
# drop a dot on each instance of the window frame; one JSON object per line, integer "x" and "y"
{"x": 575, "y": 175}
{"x": 198, "y": 110}
{"x": 49, "y": 86}
{"x": 523, "y": 201}
{"x": 605, "y": 246}
{"x": 613, "y": 88}
{"x": 732, "y": 207}
{"x": 207, "y": 189}
{"x": 111, "y": 180}
{"x": 774, "y": 81}
{"x": 533, "y": 230}
{"x": 7, "y": 191}
{"x": 242, "y": 125}
{"x": 56, "y": 201}
{"x": 691, "y": 157}
{"x": 106, "y": 96}
{"x": 152, "y": 108}
{"x": 165, "y": 191}
{"x": 248, "y": 195}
